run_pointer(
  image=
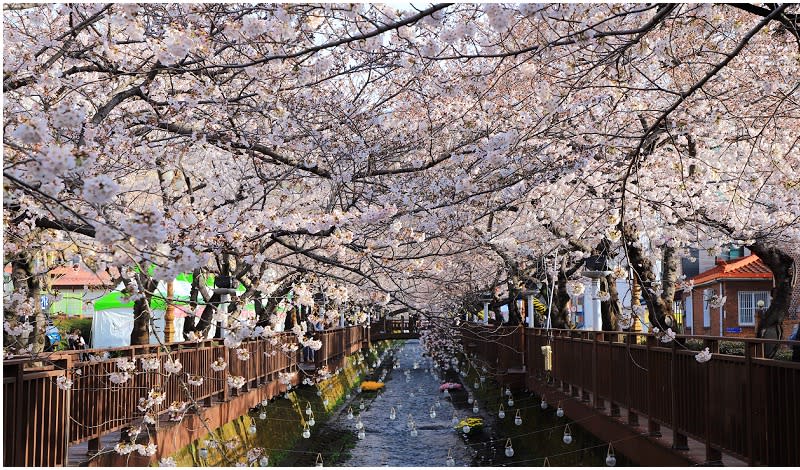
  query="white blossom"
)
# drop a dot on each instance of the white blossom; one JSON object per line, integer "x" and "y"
{"x": 703, "y": 356}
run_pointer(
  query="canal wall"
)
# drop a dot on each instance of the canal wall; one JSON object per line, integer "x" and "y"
{"x": 280, "y": 430}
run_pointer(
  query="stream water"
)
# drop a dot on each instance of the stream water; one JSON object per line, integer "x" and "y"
{"x": 412, "y": 392}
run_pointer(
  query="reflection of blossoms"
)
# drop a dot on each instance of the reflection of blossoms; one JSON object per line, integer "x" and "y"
{"x": 167, "y": 462}
{"x": 703, "y": 356}
{"x": 625, "y": 321}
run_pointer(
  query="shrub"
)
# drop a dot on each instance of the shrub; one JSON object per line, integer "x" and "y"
{"x": 733, "y": 348}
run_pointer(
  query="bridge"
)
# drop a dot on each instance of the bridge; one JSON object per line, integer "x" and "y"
{"x": 654, "y": 400}
{"x": 395, "y": 329}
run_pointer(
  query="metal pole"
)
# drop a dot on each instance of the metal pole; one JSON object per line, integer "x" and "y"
{"x": 486, "y": 313}
{"x": 530, "y": 310}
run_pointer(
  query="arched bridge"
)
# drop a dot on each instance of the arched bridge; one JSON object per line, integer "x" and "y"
{"x": 395, "y": 329}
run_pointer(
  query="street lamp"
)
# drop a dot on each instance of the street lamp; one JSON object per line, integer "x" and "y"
{"x": 595, "y": 268}
{"x": 532, "y": 289}
{"x": 225, "y": 286}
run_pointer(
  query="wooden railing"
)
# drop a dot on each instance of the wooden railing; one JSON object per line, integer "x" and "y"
{"x": 40, "y": 420}
{"x": 745, "y": 406}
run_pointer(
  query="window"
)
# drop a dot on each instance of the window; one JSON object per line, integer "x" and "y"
{"x": 707, "y": 293}
{"x": 748, "y": 304}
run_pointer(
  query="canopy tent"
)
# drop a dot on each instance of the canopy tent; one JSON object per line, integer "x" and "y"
{"x": 113, "y": 318}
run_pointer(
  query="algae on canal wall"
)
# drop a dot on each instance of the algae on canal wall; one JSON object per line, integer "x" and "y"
{"x": 279, "y": 425}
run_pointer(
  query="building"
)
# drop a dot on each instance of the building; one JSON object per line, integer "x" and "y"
{"x": 77, "y": 289}
{"x": 745, "y": 282}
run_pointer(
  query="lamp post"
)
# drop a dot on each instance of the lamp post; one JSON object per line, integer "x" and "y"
{"x": 486, "y": 297}
{"x": 225, "y": 286}
{"x": 169, "y": 314}
{"x": 531, "y": 290}
{"x": 595, "y": 268}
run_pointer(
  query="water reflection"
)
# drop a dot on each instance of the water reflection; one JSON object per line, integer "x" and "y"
{"x": 414, "y": 393}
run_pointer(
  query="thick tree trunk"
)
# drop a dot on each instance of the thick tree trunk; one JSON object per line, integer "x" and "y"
{"x": 612, "y": 309}
{"x": 24, "y": 279}
{"x": 561, "y": 305}
{"x": 141, "y": 310}
{"x": 658, "y": 304}
{"x": 204, "y": 324}
{"x": 782, "y": 267}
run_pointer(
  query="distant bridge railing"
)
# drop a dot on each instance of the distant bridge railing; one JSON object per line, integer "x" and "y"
{"x": 395, "y": 329}
{"x": 746, "y": 406}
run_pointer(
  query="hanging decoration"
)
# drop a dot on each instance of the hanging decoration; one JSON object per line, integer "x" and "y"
{"x": 392, "y": 414}
{"x": 318, "y": 463}
{"x": 611, "y": 459}
{"x": 567, "y": 435}
{"x": 543, "y": 404}
{"x": 502, "y": 413}
{"x": 560, "y": 411}
{"x": 509, "y": 449}
{"x": 451, "y": 462}
{"x": 518, "y": 418}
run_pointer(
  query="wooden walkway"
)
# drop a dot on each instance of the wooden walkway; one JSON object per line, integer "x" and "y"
{"x": 735, "y": 408}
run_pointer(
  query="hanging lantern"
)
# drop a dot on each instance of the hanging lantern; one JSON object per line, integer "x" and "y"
{"x": 306, "y": 432}
{"x": 361, "y": 405}
{"x": 264, "y": 402}
{"x": 470, "y": 399}
{"x": 543, "y": 404}
{"x": 319, "y": 461}
{"x": 311, "y": 421}
{"x": 350, "y": 412}
{"x": 262, "y": 416}
{"x": 475, "y": 407}
{"x": 359, "y": 424}
{"x": 392, "y": 414}
{"x": 455, "y": 419}
{"x": 502, "y": 413}
{"x": 476, "y": 385}
{"x": 466, "y": 429}
{"x": 347, "y": 396}
{"x": 567, "y": 435}
{"x": 414, "y": 431}
{"x": 203, "y": 453}
{"x": 252, "y": 429}
{"x": 361, "y": 434}
{"x": 560, "y": 411}
{"x": 319, "y": 392}
{"x": 510, "y": 401}
{"x": 308, "y": 409}
{"x": 518, "y": 418}
{"x": 433, "y": 412}
{"x": 438, "y": 403}
{"x": 325, "y": 402}
{"x": 446, "y": 393}
{"x": 483, "y": 378}
{"x": 451, "y": 462}
{"x": 509, "y": 449}
{"x": 264, "y": 461}
{"x": 508, "y": 392}
{"x": 611, "y": 460}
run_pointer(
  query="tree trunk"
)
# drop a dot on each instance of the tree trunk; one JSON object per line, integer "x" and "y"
{"x": 23, "y": 278}
{"x": 659, "y": 305}
{"x": 782, "y": 267}
{"x": 611, "y": 309}
{"x": 141, "y": 310}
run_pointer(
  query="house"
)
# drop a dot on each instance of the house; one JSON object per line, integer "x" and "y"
{"x": 745, "y": 282}
{"x": 77, "y": 288}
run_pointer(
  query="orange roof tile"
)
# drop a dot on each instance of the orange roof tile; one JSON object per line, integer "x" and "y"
{"x": 748, "y": 267}
{"x": 66, "y": 276}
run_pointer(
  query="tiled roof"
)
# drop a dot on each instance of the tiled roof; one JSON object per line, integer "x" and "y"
{"x": 748, "y": 267}
{"x": 66, "y": 276}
